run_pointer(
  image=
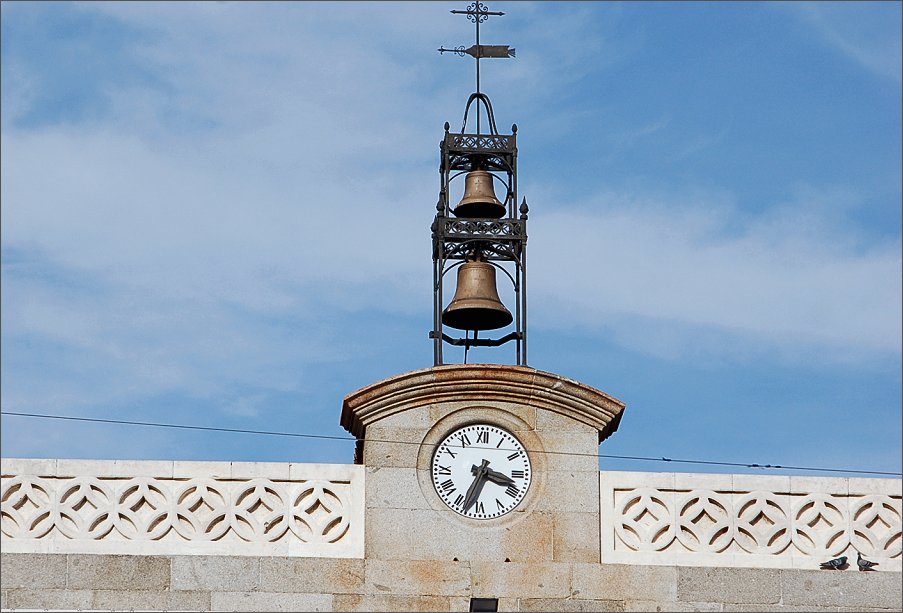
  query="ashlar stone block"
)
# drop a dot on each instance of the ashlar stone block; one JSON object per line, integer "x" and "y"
{"x": 571, "y": 451}
{"x": 647, "y": 605}
{"x": 575, "y": 537}
{"x": 764, "y": 608}
{"x": 624, "y": 582}
{"x": 386, "y": 538}
{"x": 389, "y": 602}
{"x": 418, "y": 577}
{"x": 842, "y": 589}
{"x": 51, "y": 600}
{"x": 125, "y": 572}
{"x": 32, "y": 570}
{"x": 413, "y": 534}
{"x": 570, "y": 492}
{"x": 569, "y": 604}
{"x": 394, "y": 488}
{"x": 270, "y": 601}
{"x": 215, "y": 573}
{"x": 526, "y": 537}
{"x": 392, "y": 447}
{"x": 150, "y": 600}
{"x": 521, "y": 580}
{"x": 312, "y": 575}
{"x": 728, "y": 585}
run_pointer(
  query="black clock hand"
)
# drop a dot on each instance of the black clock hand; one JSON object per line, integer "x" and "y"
{"x": 497, "y": 477}
{"x": 473, "y": 492}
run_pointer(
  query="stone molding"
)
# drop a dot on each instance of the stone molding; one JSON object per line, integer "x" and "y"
{"x": 687, "y": 519}
{"x": 482, "y": 384}
{"x": 182, "y": 508}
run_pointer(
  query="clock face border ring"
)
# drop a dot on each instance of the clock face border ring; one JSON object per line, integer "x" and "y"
{"x": 489, "y": 415}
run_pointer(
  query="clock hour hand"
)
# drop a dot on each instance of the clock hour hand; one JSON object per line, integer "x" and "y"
{"x": 473, "y": 492}
{"x": 497, "y": 477}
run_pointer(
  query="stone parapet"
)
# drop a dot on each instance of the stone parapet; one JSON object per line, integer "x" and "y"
{"x": 193, "y": 508}
{"x": 224, "y": 583}
{"x": 687, "y": 519}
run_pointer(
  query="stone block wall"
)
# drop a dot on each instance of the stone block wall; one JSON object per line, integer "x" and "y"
{"x": 228, "y": 583}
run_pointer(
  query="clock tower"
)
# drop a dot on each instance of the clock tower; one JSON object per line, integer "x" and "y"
{"x": 480, "y": 462}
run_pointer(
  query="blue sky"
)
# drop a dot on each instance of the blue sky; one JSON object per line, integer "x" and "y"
{"x": 218, "y": 214}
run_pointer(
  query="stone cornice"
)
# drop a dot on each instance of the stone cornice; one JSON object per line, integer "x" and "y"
{"x": 483, "y": 383}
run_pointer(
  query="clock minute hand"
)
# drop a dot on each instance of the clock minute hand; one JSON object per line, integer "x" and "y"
{"x": 497, "y": 477}
{"x": 473, "y": 492}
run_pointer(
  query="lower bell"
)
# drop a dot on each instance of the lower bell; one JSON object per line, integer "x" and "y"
{"x": 476, "y": 305}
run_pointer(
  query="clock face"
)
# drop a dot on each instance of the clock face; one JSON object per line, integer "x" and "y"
{"x": 481, "y": 471}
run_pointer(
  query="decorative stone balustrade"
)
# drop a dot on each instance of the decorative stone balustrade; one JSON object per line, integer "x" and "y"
{"x": 182, "y": 508}
{"x": 686, "y": 519}
{"x": 317, "y": 510}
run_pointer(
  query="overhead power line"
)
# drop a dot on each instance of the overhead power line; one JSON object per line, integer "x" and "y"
{"x": 354, "y": 440}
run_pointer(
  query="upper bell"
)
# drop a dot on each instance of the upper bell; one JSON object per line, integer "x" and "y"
{"x": 479, "y": 197}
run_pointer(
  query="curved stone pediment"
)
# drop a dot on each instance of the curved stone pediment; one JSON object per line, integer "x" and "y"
{"x": 483, "y": 383}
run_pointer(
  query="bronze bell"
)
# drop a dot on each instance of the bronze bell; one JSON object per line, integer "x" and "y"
{"x": 479, "y": 197}
{"x": 476, "y": 305}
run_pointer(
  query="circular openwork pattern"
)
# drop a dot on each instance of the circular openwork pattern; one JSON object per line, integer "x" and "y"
{"x": 876, "y": 525}
{"x": 763, "y": 524}
{"x": 758, "y": 522}
{"x": 705, "y": 522}
{"x": 646, "y": 521}
{"x": 820, "y": 527}
{"x": 147, "y": 509}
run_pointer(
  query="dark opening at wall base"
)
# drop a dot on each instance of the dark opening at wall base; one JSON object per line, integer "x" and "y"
{"x": 484, "y": 604}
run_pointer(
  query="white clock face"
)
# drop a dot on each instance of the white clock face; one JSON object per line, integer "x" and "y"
{"x": 481, "y": 471}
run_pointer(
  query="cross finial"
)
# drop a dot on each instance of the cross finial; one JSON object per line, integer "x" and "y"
{"x": 477, "y": 13}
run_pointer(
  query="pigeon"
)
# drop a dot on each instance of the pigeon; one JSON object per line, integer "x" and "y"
{"x": 863, "y": 563}
{"x": 835, "y": 564}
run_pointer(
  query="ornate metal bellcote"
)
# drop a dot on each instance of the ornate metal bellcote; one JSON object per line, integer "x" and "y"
{"x": 481, "y": 234}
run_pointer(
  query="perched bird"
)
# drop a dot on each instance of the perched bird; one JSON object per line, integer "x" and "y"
{"x": 863, "y": 563}
{"x": 835, "y": 564}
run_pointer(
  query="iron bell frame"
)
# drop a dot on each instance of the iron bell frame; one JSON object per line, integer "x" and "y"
{"x": 500, "y": 241}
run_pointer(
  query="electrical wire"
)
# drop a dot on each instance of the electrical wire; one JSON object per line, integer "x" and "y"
{"x": 354, "y": 440}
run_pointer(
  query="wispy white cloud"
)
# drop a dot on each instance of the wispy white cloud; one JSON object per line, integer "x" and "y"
{"x": 676, "y": 268}
{"x": 868, "y": 33}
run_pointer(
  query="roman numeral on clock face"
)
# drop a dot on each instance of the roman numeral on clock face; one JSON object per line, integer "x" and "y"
{"x": 448, "y": 485}
{"x": 483, "y": 437}
{"x": 459, "y": 500}
{"x": 446, "y": 470}
{"x": 514, "y": 455}
{"x": 512, "y": 491}
{"x": 465, "y": 441}
{"x": 517, "y": 474}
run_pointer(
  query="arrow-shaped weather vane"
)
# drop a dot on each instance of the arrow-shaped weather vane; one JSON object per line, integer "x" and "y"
{"x": 479, "y": 51}
{"x": 477, "y": 12}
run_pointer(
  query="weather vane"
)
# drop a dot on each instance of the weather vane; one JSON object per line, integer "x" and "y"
{"x": 477, "y": 12}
